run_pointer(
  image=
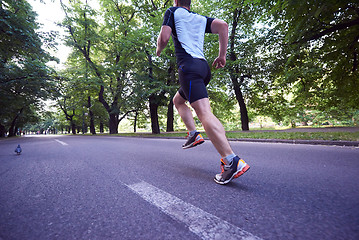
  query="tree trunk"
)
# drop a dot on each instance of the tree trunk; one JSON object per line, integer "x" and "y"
{"x": 12, "y": 129}
{"x": 113, "y": 123}
{"x": 73, "y": 127}
{"x": 152, "y": 100}
{"x": 242, "y": 106}
{"x": 234, "y": 74}
{"x": 154, "y": 115}
{"x": 2, "y": 131}
{"x": 135, "y": 122}
{"x": 171, "y": 82}
{"x": 92, "y": 119}
{"x": 170, "y": 117}
{"x": 92, "y": 123}
{"x": 84, "y": 125}
{"x": 101, "y": 127}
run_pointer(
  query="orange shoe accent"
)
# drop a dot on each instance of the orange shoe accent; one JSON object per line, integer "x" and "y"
{"x": 198, "y": 142}
{"x": 222, "y": 168}
{"x": 245, "y": 169}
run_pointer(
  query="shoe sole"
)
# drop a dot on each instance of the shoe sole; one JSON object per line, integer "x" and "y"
{"x": 244, "y": 169}
{"x": 235, "y": 175}
{"x": 194, "y": 144}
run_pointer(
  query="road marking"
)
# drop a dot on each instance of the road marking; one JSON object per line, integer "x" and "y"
{"x": 61, "y": 142}
{"x": 203, "y": 224}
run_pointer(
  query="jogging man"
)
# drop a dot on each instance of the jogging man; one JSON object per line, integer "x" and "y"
{"x": 187, "y": 29}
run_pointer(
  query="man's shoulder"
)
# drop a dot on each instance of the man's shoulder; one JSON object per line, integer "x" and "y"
{"x": 172, "y": 9}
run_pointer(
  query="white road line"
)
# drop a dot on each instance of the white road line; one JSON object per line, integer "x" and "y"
{"x": 203, "y": 224}
{"x": 61, "y": 142}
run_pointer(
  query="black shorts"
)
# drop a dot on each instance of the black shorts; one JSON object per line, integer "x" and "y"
{"x": 194, "y": 76}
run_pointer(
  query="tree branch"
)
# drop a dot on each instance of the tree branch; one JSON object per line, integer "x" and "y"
{"x": 332, "y": 29}
{"x": 153, "y": 5}
{"x": 102, "y": 100}
{"x": 124, "y": 115}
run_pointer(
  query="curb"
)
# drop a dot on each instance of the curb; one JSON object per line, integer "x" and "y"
{"x": 289, "y": 141}
{"x": 300, "y": 141}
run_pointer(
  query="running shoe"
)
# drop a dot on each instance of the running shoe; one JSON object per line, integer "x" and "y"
{"x": 236, "y": 169}
{"x": 193, "y": 141}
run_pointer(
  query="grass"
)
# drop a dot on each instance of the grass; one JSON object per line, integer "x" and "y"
{"x": 333, "y": 136}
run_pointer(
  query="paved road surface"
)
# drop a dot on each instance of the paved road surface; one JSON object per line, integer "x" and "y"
{"x": 133, "y": 188}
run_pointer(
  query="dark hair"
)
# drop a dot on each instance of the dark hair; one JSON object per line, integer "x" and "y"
{"x": 184, "y": 3}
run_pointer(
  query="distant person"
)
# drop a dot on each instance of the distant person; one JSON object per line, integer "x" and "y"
{"x": 187, "y": 29}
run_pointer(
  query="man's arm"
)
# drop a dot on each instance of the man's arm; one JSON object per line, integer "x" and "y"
{"x": 163, "y": 38}
{"x": 220, "y": 27}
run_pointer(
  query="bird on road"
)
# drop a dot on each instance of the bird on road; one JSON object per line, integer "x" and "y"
{"x": 18, "y": 150}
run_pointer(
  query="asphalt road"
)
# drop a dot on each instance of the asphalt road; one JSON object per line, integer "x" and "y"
{"x": 82, "y": 187}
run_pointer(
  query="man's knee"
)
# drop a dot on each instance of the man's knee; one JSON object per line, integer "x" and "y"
{"x": 202, "y": 108}
{"x": 178, "y": 100}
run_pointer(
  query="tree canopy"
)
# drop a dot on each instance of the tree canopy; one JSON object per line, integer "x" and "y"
{"x": 290, "y": 60}
{"x": 24, "y": 76}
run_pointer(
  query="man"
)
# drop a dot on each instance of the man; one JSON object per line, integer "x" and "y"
{"x": 187, "y": 29}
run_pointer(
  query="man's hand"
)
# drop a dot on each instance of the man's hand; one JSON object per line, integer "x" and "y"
{"x": 158, "y": 52}
{"x": 219, "y": 62}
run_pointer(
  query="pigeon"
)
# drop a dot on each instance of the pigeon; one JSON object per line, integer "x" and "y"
{"x": 18, "y": 150}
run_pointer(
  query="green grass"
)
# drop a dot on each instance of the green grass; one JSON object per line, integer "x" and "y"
{"x": 333, "y": 136}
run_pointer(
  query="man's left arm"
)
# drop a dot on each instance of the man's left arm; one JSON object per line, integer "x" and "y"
{"x": 163, "y": 39}
{"x": 220, "y": 27}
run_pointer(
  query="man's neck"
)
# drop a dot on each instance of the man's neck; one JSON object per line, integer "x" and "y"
{"x": 185, "y": 7}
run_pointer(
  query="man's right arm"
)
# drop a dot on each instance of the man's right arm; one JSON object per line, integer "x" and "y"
{"x": 163, "y": 39}
{"x": 220, "y": 27}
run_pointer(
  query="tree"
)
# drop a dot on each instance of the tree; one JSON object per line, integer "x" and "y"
{"x": 289, "y": 56}
{"x": 68, "y": 99}
{"x": 319, "y": 48}
{"x": 108, "y": 51}
{"x": 161, "y": 71}
{"x": 286, "y": 59}
{"x": 24, "y": 77}
{"x": 242, "y": 58}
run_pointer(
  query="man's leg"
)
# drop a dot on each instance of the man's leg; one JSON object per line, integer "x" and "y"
{"x": 213, "y": 127}
{"x": 230, "y": 168}
{"x": 184, "y": 111}
{"x": 194, "y": 138}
